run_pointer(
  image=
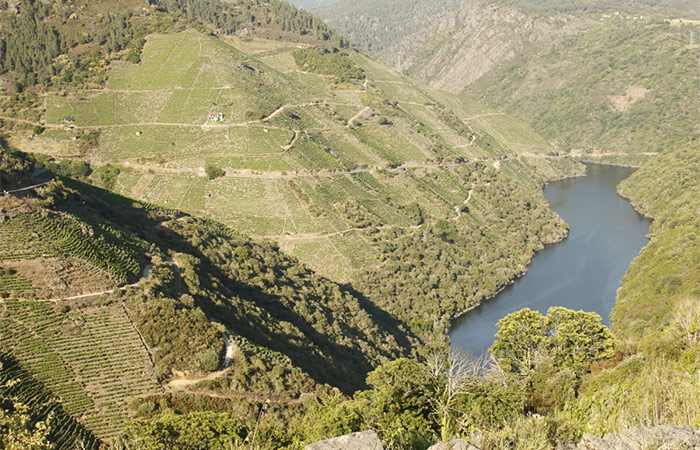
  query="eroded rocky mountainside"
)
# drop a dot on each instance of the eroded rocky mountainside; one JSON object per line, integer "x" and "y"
{"x": 465, "y": 45}
{"x": 374, "y": 26}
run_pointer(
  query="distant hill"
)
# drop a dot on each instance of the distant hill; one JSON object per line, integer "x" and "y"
{"x": 550, "y": 70}
{"x": 376, "y": 25}
{"x": 589, "y": 93}
{"x": 312, "y": 4}
{"x": 467, "y": 44}
{"x": 417, "y": 28}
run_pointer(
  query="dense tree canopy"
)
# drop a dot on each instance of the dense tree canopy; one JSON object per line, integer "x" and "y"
{"x": 572, "y": 339}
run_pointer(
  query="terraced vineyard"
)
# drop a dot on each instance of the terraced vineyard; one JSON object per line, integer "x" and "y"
{"x": 13, "y": 282}
{"x": 90, "y": 357}
{"x": 17, "y": 383}
{"x": 101, "y": 254}
{"x": 302, "y": 152}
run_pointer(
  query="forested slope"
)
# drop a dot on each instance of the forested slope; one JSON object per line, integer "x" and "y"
{"x": 623, "y": 86}
{"x": 591, "y": 77}
{"x": 290, "y": 330}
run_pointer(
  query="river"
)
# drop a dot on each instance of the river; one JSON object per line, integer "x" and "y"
{"x": 582, "y": 272}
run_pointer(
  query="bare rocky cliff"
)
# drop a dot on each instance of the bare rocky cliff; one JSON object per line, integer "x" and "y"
{"x": 464, "y": 46}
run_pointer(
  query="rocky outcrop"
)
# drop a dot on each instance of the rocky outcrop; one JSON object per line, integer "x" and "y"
{"x": 467, "y": 44}
{"x": 365, "y": 440}
{"x": 665, "y": 437}
{"x": 454, "y": 444}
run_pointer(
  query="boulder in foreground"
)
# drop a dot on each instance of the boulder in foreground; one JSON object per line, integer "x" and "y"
{"x": 364, "y": 440}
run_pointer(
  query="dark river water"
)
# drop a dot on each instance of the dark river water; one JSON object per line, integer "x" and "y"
{"x": 583, "y": 272}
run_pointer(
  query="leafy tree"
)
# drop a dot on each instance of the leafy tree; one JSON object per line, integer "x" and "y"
{"x": 577, "y": 338}
{"x": 398, "y": 405}
{"x": 520, "y": 341}
{"x": 572, "y": 339}
{"x": 18, "y": 431}
{"x": 327, "y": 62}
{"x": 106, "y": 176}
{"x": 194, "y": 431}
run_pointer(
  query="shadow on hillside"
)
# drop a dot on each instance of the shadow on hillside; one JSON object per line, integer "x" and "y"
{"x": 262, "y": 317}
{"x": 66, "y": 432}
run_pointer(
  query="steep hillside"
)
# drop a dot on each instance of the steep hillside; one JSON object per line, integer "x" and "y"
{"x": 311, "y": 4}
{"x": 374, "y": 26}
{"x": 472, "y": 41}
{"x": 207, "y": 293}
{"x": 658, "y": 307}
{"x": 18, "y": 390}
{"x": 340, "y": 161}
{"x": 625, "y": 85}
{"x": 591, "y": 77}
{"x": 404, "y": 29}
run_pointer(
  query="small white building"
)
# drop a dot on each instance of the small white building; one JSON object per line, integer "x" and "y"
{"x": 216, "y": 116}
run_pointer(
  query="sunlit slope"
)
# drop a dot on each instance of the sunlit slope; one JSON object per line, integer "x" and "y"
{"x": 330, "y": 169}
{"x": 620, "y": 90}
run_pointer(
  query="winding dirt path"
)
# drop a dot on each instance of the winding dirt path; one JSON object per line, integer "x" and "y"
{"x": 184, "y": 382}
{"x": 357, "y": 116}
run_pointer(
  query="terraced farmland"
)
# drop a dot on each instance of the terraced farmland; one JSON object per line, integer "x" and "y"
{"x": 330, "y": 169}
{"x": 17, "y": 383}
{"x": 109, "y": 255}
{"x": 90, "y": 357}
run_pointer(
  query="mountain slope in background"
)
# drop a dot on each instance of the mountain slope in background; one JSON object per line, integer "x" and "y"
{"x": 466, "y": 45}
{"x": 591, "y": 82}
{"x": 624, "y": 85}
{"x": 312, "y": 4}
{"x": 374, "y": 26}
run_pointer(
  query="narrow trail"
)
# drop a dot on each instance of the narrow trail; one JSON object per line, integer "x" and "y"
{"x": 146, "y": 273}
{"x": 184, "y": 382}
{"x": 357, "y": 116}
{"x": 469, "y": 196}
{"x": 303, "y": 237}
{"x": 15, "y": 119}
{"x": 485, "y": 115}
{"x": 229, "y": 350}
{"x": 300, "y": 173}
{"x": 26, "y": 188}
{"x": 292, "y": 142}
{"x": 279, "y": 110}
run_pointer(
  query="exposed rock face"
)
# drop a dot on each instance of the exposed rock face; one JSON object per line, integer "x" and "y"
{"x": 375, "y": 25}
{"x": 467, "y": 44}
{"x": 665, "y": 437}
{"x": 365, "y": 440}
{"x": 454, "y": 444}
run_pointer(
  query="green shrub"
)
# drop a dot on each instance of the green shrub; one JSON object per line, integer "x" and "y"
{"x": 213, "y": 171}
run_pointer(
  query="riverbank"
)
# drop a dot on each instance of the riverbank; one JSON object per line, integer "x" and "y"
{"x": 514, "y": 278}
{"x": 581, "y": 271}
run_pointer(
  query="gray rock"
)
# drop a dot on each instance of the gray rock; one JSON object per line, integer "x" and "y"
{"x": 454, "y": 444}
{"x": 365, "y": 440}
{"x": 664, "y": 437}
